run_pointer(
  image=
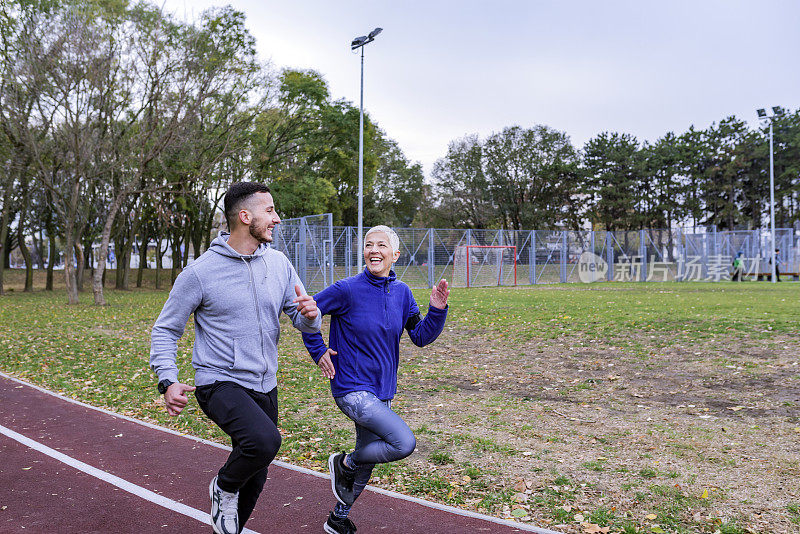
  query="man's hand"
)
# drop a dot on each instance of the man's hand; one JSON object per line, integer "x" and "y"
{"x": 176, "y": 398}
{"x": 306, "y": 304}
{"x": 326, "y": 365}
{"x": 439, "y": 294}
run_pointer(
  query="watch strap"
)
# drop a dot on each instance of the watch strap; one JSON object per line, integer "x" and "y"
{"x": 164, "y": 384}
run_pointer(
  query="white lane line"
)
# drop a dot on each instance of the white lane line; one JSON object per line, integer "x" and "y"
{"x": 112, "y": 479}
{"x": 297, "y": 468}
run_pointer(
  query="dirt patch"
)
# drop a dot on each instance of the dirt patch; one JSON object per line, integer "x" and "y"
{"x": 695, "y": 434}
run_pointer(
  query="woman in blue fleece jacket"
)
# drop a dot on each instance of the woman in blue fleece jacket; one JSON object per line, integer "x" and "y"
{"x": 369, "y": 312}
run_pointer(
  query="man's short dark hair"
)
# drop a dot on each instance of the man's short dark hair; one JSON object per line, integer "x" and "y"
{"x": 238, "y": 193}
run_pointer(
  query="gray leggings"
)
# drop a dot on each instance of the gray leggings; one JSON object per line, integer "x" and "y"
{"x": 381, "y": 435}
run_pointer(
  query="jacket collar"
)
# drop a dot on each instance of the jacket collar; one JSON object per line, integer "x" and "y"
{"x": 379, "y": 281}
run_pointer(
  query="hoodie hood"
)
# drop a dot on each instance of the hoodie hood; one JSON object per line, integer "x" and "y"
{"x": 220, "y": 246}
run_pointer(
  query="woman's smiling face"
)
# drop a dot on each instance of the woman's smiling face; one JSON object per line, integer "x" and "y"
{"x": 378, "y": 254}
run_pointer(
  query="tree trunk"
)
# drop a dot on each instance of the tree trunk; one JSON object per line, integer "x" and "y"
{"x": 99, "y": 279}
{"x": 53, "y": 252}
{"x": 187, "y": 239}
{"x": 8, "y": 246}
{"x": 51, "y": 262}
{"x": 36, "y": 254}
{"x": 207, "y": 233}
{"x": 4, "y": 233}
{"x": 69, "y": 266}
{"x": 142, "y": 258}
{"x": 80, "y": 264}
{"x": 126, "y": 266}
{"x": 176, "y": 258}
{"x": 134, "y": 228}
{"x": 197, "y": 240}
{"x": 88, "y": 256}
{"x": 26, "y": 254}
{"x": 159, "y": 262}
{"x": 118, "y": 252}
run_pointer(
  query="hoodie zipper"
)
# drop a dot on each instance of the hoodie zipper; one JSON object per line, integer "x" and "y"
{"x": 255, "y": 302}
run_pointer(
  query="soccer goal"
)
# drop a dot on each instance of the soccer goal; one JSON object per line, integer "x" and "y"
{"x": 483, "y": 265}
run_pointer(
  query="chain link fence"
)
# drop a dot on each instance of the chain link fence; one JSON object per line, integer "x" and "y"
{"x": 322, "y": 253}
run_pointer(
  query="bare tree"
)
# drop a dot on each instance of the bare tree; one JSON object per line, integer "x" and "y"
{"x": 187, "y": 91}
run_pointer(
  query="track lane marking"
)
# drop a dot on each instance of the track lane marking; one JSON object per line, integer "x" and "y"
{"x": 389, "y": 493}
{"x": 114, "y": 480}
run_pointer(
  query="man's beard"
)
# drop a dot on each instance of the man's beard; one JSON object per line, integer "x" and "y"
{"x": 259, "y": 231}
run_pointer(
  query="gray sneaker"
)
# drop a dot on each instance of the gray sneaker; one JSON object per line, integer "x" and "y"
{"x": 224, "y": 509}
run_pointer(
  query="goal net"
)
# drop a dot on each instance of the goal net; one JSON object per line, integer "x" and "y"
{"x": 482, "y": 265}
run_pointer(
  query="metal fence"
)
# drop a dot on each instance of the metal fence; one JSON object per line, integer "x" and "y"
{"x": 323, "y": 253}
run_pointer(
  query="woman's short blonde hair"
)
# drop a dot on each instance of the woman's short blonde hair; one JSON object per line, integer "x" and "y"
{"x": 394, "y": 241}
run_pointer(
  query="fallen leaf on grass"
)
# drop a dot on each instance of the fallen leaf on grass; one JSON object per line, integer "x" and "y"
{"x": 593, "y": 528}
{"x": 650, "y": 516}
{"x": 736, "y": 408}
{"x": 704, "y": 495}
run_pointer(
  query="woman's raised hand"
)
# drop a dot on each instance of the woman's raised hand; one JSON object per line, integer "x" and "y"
{"x": 439, "y": 294}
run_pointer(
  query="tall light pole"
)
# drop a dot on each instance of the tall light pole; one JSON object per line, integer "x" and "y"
{"x": 763, "y": 117}
{"x": 357, "y": 43}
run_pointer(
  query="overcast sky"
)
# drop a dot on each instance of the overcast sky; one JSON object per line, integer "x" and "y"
{"x": 444, "y": 69}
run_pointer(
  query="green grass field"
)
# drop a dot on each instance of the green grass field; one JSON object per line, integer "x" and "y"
{"x": 633, "y": 407}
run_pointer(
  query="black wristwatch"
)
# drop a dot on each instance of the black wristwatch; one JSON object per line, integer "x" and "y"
{"x": 164, "y": 384}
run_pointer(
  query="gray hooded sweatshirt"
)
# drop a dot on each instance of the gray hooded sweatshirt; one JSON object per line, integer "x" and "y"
{"x": 236, "y": 300}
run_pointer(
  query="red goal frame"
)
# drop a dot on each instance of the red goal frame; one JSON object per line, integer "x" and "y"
{"x": 500, "y": 270}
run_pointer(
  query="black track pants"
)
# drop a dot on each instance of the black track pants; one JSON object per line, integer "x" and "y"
{"x": 250, "y": 419}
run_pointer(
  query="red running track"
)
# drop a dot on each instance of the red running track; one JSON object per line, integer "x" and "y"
{"x": 67, "y": 467}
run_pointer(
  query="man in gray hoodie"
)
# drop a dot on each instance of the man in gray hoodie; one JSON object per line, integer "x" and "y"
{"x": 236, "y": 291}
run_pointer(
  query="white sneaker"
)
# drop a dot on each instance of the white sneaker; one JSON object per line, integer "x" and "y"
{"x": 224, "y": 509}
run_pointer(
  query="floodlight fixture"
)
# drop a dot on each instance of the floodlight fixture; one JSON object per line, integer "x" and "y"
{"x": 358, "y": 42}
{"x": 777, "y": 110}
{"x": 762, "y": 113}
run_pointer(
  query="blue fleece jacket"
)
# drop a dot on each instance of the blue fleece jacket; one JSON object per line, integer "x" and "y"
{"x": 368, "y": 316}
{"x": 236, "y": 300}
